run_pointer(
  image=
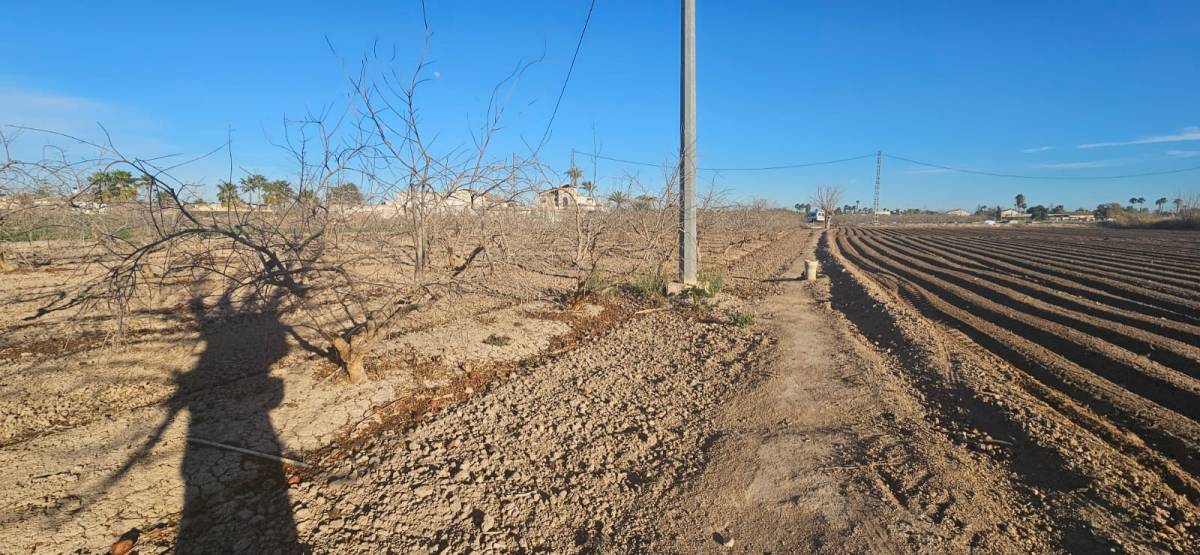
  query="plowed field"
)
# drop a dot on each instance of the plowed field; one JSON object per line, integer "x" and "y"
{"x": 1098, "y": 329}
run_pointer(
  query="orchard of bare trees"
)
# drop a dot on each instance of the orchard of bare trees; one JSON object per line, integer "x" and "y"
{"x": 372, "y": 224}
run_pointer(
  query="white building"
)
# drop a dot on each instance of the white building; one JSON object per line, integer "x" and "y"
{"x": 454, "y": 201}
{"x": 565, "y": 197}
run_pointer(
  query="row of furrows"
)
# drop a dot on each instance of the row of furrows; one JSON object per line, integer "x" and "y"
{"x": 1010, "y": 293}
{"x": 1179, "y": 252}
{"x": 1108, "y": 360}
{"x": 1099, "y": 289}
{"x": 1173, "y": 255}
{"x": 1099, "y": 376}
{"x": 1181, "y": 245}
{"x": 1174, "y": 284}
{"x": 1135, "y": 263}
{"x": 1059, "y": 275}
{"x": 1093, "y": 303}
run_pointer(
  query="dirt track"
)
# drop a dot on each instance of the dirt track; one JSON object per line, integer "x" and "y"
{"x": 1083, "y": 349}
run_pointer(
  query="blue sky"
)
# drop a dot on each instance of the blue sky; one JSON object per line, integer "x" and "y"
{"x": 1009, "y": 87}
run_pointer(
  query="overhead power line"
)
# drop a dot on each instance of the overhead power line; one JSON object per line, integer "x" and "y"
{"x": 1053, "y": 177}
{"x": 903, "y": 159}
{"x": 570, "y": 69}
{"x": 733, "y": 169}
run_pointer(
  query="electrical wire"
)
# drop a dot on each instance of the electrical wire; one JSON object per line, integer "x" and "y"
{"x": 738, "y": 169}
{"x": 570, "y": 69}
{"x": 1054, "y": 177}
{"x": 903, "y": 159}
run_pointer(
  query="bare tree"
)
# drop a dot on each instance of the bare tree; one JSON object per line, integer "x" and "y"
{"x": 344, "y": 276}
{"x": 827, "y": 198}
{"x": 32, "y": 195}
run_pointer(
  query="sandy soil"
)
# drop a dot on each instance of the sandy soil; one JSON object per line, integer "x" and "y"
{"x": 852, "y": 416}
{"x": 835, "y": 453}
{"x": 93, "y": 430}
{"x": 1063, "y": 365}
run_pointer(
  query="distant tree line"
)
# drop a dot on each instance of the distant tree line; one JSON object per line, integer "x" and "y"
{"x": 108, "y": 187}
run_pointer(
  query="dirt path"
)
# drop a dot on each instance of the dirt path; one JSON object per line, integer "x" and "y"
{"x": 833, "y": 453}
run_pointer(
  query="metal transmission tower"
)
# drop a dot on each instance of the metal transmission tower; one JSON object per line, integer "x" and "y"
{"x": 878, "y": 168}
{"x": 687, "y": 145}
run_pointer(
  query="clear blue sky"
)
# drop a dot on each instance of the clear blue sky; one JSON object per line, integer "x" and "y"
{"x": 1010, "y": 87}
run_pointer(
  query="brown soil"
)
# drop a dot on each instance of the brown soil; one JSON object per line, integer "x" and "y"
{"x": 1085, "y": 393}
{"x": 942, "y": 390}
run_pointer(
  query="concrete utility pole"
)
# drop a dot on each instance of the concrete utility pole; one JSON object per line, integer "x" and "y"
{"x": 687, "y": 146}
{"x": 878, "y": 168}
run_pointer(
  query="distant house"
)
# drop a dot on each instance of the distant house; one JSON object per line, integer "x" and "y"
{"x": 461, "y": 199}
{"x": 958, "y": 212}
{"x": 455, "y": 201}
{"x": 566, "y": 197}
{"x": 883, "y": 212}
{"x": 204, "y": 207}
{"x": 1071, "y": 217}
{"x": 1012, "y": 214}
{"x": 18, "y": 201}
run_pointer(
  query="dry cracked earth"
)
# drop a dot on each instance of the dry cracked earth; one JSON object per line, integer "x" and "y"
{"x": 666, "y": 431}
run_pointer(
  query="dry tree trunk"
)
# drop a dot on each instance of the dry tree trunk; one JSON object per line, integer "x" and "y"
{"x": 351, "y": 354}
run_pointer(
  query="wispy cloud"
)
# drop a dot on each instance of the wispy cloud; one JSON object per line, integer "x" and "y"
{"x": 80, "y": 117}
{"x": 1079, "y": 165}
{"x": 1037, "y": 149}
{"x": 1186, "y": 134}
{"x": 1183, "y": 153}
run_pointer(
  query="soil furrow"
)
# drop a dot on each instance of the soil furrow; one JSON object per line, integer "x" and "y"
{"x": 1169, "y": 259}
{"x": 1178, "y": 286}
{"x": 1059, "y": 292}
{"x": 1179, "y": 308}
{"x": 1130, "y": 302}
{"x": 1179, "y": 356}
{"x": 1173, "y": 438}
{"x": 1175, "y": 245}
{"x": 1099, "y": 357}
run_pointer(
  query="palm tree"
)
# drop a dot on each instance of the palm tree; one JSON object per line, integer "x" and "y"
{"x": 252, "y": 184}
{"x": 574, "y": 173}
{"x": 1160, "y": 203}
{"x": 227, "y": 195}
{"x": 1020, "y": 201}
{"x": 1141, "y": 201}
{"x": 1178, "y": 204}
{"x": 1132, "y": 202}
{"x": 618, "y": 198}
